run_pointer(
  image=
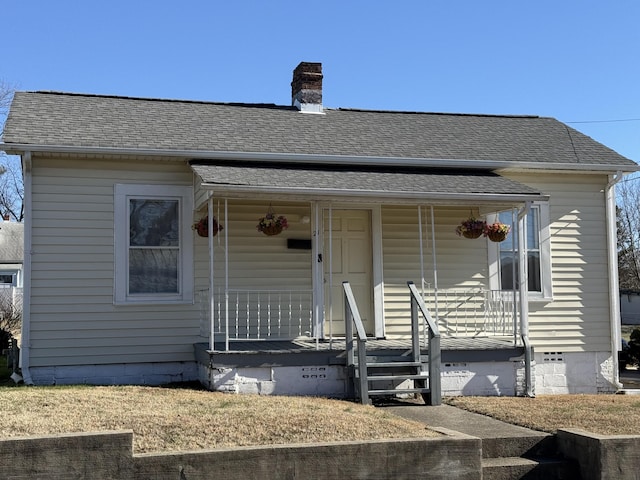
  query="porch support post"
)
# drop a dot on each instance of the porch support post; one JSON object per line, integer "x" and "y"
{"x": 318, "y": 294}
{"x": 422, "y": 232}
{"x": 523, "y": 282}
{"x": 212, "y": 342}
{"x": 330, "y": 259}
{"x": 414, "y": 335}
{"x": 435, "y": 265}
{"x": 226, "y": 277}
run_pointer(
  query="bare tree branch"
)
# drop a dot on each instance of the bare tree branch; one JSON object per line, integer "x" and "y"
{"x": 11, "y": 184}
{"x": 629, "y": 233}
{"x": 10, "y": 310}
{"x": 11, "y": 189}
{"x": 6, "y": 95}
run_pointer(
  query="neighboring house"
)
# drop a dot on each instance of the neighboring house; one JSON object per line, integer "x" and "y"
{"x": 11, "y": 253}
{"x": 120, "y": 288}
{"x": 629, "y": 307}
{"x": 11, "y": 260}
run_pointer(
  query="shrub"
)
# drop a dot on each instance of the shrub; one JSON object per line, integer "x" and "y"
{"x": 633, "y": 353}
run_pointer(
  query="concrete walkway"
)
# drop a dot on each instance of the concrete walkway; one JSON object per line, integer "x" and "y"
{"x": 630, "y": 378}
{"x": 461, "y": 421}
{"x": 482, "y": 426}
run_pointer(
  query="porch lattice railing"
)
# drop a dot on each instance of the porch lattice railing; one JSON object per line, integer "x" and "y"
{"x": 258, "y": 314}
{"x": 464, "y": 312}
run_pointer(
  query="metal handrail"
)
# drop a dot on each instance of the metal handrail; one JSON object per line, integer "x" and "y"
{"x": 351, "y": 318}
{"x": 433, "y": 335}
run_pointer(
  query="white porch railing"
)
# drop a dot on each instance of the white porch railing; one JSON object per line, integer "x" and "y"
{"x": 258, "y": 314}
{"x": 474, "y": 312}
{"x": 273, "y": 314}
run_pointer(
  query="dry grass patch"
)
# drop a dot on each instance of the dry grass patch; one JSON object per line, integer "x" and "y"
{"x": 600, "y": 414}
{"x": 172, "y": 419}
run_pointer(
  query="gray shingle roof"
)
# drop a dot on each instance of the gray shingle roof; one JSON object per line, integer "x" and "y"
{"x": 383, "y": 181}
{"x": 57, "y": 119}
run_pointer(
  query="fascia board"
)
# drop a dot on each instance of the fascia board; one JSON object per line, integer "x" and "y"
{"x": 377, "y": 194}
{"x": 16, "y": 149}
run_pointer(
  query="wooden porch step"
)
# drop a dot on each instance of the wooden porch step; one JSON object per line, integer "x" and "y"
{"x": 398, "y": 391}
{"x": 507, "y": 468}
{"x": 374, "y": 378}
{"x": 393, "y": 364}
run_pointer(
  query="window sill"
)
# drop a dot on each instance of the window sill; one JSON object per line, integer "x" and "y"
{"x": 135, "y": 303}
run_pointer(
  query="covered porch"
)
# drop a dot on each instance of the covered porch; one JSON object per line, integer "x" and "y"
{"x": 280, "y": 297}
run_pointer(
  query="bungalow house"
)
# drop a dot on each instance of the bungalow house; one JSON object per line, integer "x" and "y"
{"x": 11, "y": 253}
{"x": 150, "y": 254}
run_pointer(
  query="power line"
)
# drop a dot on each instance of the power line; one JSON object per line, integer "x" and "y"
{"x": 632, "y": 177}
{"x": 608, "y": 121}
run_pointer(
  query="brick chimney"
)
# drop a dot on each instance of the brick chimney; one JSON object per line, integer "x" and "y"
{"x": 306, "y": 87}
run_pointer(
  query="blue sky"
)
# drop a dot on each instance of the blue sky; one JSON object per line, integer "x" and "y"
{"x": 575, "y": 60}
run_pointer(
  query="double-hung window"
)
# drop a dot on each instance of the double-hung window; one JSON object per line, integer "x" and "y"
{"x": 504, "y": 258}
{"x": 153, "y": 250}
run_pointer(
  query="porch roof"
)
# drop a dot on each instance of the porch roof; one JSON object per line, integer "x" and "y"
{"x": 383, "y": 182}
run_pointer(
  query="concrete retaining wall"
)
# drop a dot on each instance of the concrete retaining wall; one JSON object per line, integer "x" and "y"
{"x": 88, "y": 456}
{"x": 615, "y": 457}
{"x": 108, "y": 456}
{"x": 445, "y": 458}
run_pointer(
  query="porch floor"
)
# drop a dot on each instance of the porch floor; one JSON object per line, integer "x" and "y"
{"x": 296, "y": 345}
{"x": 307, "y": 351}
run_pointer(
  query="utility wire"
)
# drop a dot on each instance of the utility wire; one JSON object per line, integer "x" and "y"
{"x": 608, "y": 121}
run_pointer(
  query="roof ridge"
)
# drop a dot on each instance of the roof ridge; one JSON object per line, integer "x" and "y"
{"x": 415, "y": 112}
{"x": 152, "y": 99}
{"x": 273, "y": 105}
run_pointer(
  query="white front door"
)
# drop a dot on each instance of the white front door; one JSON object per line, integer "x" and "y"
{"x": 347, "y": 257}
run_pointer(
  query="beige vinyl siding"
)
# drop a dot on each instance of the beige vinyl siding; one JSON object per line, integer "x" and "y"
{"x": 73, "y": 318}
{"x": 258, "y": 263}
{"x": 460, "y": 262}
{"x": 578, "y": 317}
{"x": 201, "y": 196}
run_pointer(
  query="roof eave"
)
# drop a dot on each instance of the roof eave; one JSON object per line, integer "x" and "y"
{"x": 377, "y": 194}
{"x": 18, "y": 149}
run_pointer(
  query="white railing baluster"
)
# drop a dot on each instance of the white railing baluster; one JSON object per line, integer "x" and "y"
{"x": 473, "y": 311}
{"x": 238, "y": 315}
{"x": 264, "y": 314}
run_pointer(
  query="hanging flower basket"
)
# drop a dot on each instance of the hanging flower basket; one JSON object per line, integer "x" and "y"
{"x": 272, "y": 224}
{"x": 497, "y": 232}
{"x": 202, "y": 227}
{"x": 471, "y": 228}
{"x": 272, "y": 230}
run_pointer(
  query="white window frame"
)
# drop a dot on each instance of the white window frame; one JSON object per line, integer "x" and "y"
{"x": 184, "y": 195}
{"x": 16, "y": 280}
{"x": 544, "y": 242}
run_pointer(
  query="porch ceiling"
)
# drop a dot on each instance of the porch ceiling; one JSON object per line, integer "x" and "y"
{"x": 401, "y": 183}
